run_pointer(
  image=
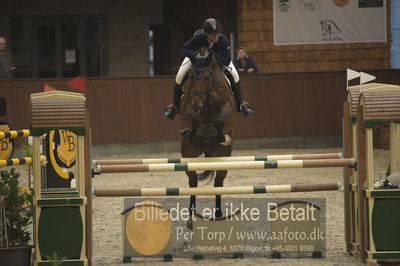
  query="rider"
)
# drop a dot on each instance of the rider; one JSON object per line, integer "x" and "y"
{"x": 210, "y": 36}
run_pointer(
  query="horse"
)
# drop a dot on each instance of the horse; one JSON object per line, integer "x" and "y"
{"x": 207, "y": 115}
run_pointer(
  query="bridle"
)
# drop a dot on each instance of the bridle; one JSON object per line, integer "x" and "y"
{"x": 202, "y": 72}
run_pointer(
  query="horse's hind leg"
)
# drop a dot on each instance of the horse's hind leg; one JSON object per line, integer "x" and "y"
{"x": 219, "y": 182}
{"x": 215, "y": 151}
{"x": 192, "y": 183}
{"x": 190, "y": 148}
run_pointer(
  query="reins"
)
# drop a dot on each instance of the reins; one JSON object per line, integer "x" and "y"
{"x": 202, "y": 71}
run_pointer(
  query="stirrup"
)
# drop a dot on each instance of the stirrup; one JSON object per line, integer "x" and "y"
{"x": 170, "y": 111}
{"x": 246, "y": 109}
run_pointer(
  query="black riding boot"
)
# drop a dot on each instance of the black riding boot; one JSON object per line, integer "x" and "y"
{"x": 242, "y": 106}
{"x": 172, "y": 109}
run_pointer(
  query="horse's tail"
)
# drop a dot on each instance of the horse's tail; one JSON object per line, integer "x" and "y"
{"x": 206, "y": 176}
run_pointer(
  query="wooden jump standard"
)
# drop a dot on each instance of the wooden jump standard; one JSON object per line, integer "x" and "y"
{"x": 221, "y": 159}
{"x": 147, "y": 192}
{"x": 172, "y": 167}
{"x": 14, "y": 134}
{"x": 20, "y": 161}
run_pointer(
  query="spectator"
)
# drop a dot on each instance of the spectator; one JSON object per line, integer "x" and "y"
{"x": 6, "y": 65}
{"x": 244, "y": 63}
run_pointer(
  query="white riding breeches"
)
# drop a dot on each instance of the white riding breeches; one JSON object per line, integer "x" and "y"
{"x": 183, "y": 70}
{"x": 232, "y": 69}
{"x": 186, "y": 65}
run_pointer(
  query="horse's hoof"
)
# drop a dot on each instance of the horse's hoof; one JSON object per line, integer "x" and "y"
{"x": 189, "y": 224}
{"x": 227, "y": 141}
{"x": 192, "y": 134}
{"x": 185, "y": 133}
{"x": 218, "y": 214}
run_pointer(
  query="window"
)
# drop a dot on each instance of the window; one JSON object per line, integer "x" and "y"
{"x": 58, "y": 46}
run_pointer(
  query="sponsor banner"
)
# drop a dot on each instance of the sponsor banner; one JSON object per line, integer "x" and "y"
{"x": 6, "y": 144}
{"x": 250, "y": 227}
{"x": 329, "y": 21}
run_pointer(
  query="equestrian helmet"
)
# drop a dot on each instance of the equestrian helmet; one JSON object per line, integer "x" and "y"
{"x": 212, "y": 26}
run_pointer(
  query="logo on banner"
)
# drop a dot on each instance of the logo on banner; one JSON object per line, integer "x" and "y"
{"x": 66, "y": 149}
{"x": 341, "y": 3}
{"x": 6, "y": 144}
{"x": 283, "y": 5}
{"x": 330, "y": 31}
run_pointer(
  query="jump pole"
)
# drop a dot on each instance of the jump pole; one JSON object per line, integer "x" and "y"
{"x": 20, "y": 161}
{"x": 221, "y": 159}
{"x": 173, "y": 167}
{"x": 14, "y": 134}
{"x": 150, "y": 192}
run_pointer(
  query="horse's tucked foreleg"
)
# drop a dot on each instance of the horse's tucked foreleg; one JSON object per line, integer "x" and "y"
{"x": 219, "y": 126}
{"x": 223, "y": 139}
{"x": 189, "y": 133}
{"x": 195, "y": 125}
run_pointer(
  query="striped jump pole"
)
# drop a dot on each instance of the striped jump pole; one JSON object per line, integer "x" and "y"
{"x": 14, "y": 134}
{"x": 19, "y": 161}
{"x": 172, "y": 167}
{"x": 221, "y": 159}
{"x": 151, "y": 192}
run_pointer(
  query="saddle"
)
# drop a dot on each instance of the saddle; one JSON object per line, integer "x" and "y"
{"x": 199, "y": 71}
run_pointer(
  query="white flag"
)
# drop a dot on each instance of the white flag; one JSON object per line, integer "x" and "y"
{"x": 351, "y": 74}
{"x": 364, "y": 77}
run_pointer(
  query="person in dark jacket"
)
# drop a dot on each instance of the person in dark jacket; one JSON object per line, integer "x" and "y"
{"x": 210, "y": 36}
{"x": 244, "y": 63}
{"x": 6, "y": 65}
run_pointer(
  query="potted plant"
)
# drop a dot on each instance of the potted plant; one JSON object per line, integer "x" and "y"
{"x": 16, "y": 214}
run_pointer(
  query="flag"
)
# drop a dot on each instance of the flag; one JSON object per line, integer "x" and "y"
{"x": 351, "y": 74}
{"x": 364, "y": 77}
{"x": 78, "y": 83}
{"x": 47, "y": 87}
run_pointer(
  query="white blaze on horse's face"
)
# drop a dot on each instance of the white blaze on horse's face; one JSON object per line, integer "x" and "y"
{"x": 199, "y": 89}
{"x": 197, "y": 105}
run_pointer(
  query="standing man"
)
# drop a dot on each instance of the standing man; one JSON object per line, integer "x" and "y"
{"x": 6, "y": 65}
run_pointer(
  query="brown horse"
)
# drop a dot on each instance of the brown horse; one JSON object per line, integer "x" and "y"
{"x": 207, "y": 115}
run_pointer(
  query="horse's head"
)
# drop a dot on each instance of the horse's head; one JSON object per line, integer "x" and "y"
{"x": 208, "y": 106}
{"x": 199, "y": 84}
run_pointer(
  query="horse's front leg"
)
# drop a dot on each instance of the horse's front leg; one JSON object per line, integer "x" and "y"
{"x": 219, "y": 127}
{"x": 219, "y": 182}
{"x": 219, "y": 124}
{"x": 190, "y": 133}
{"x": 195, "y": 126}
{"x": 223, "y": 139}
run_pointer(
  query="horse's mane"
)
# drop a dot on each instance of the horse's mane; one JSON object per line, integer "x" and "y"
{"x": 202, "y": 64}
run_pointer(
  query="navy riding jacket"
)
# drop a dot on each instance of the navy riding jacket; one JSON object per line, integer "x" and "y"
{"x": 220, "y": 48}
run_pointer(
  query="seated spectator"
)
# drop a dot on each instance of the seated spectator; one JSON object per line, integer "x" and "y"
{"x": 244, "y": 63}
